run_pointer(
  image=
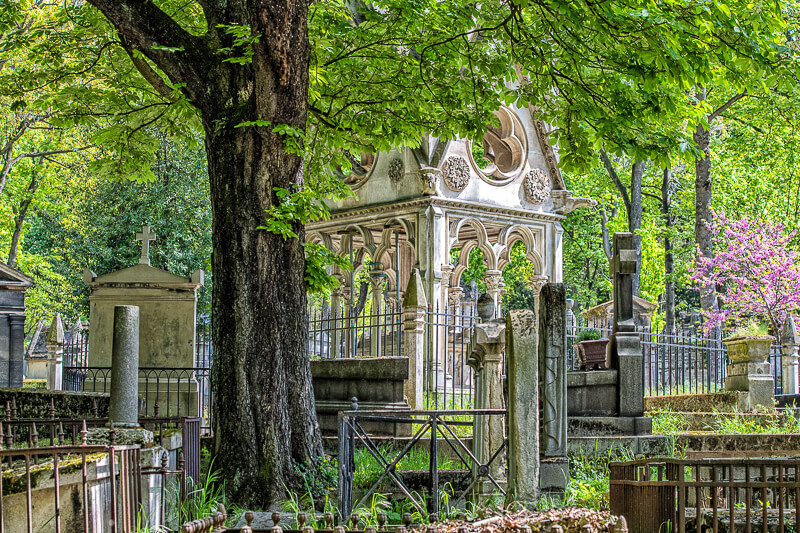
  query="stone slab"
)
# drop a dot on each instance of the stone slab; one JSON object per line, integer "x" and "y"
{"x": 648, "y": 445}
{"x": 723, "y": 401}
{"x": 554, "y": 475}
{"x": 609, "y": 426}
{"x": 744, "y": 369}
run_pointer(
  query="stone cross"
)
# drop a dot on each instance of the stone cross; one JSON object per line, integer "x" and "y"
{"x": 145, "y": 236}
{"x": 623, "y": 267}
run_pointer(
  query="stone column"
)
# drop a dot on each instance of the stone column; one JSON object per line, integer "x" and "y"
{"x": 494, "y": 282}
{"x": 16, "y": 350}
{"x": 489, "y": 341}
{"x": 376, "y": 279}
{"x": 454, "y": 297}
{"x": 553, "y": 383}
{"x": 414, "y": 307}
{"x": 335, "y": 335}
{"x": 790, "y": 342}
{"x": 522, "y": 368}
{"x": 55, "y": 353}
{"x": 123, "y": 407}
{"x": 346, "y": 330}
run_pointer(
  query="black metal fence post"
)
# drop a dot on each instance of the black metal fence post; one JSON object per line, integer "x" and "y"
{"x": 346, "y": 469}
{"x": 433, "y": 502}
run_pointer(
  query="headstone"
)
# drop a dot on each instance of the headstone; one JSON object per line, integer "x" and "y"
{"x": 13, "y": 285}
{"x": 790, "y": 342}
{"x": 123, "y": 409}
{"x": 553, "y": 387}
{"x": 167, "y": 314}
{"x": 523, "y": 406}
{"x": 625, "y": 352}
{"x": 55, "y": 353}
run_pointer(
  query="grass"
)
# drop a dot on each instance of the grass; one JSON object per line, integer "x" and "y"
{"x": 368, "y": 470}
{"x": 783, "y": 422}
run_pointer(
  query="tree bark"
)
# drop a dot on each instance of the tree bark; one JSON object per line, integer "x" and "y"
{"x": 669, "y": 260}
{"x": 702, "y": 210}
{"x": 20, "y": 212}
{"x": 263, "y": 402}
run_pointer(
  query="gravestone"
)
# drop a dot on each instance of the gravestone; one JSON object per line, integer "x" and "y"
{"x": 167, "y": 313}
{"x": 790, "y": 342}
{"x": 625, "y": 352}
{"x": 13, "y": 285}
{"x": 553, "y": 387}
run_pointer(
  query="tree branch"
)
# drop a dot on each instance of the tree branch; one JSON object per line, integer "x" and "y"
{"x": 151, "y": 76}
{"x": 623, "y": 191}
{"x": 724, "y": 107}
{"x": 144, "y": 27}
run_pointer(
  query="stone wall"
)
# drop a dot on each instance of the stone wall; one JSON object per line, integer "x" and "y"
{"x": 36, "y": 403}
{"x": 724, "y": 402}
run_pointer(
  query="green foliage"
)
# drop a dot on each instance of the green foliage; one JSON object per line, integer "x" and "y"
{"x": 588, "y": 335}
{"x": 318, "y": 479}
{"x": 751, "y": 328}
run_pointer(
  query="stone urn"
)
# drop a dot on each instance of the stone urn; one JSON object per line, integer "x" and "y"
{"x": 592, "y": 354}
{"x": 748, "y": 348}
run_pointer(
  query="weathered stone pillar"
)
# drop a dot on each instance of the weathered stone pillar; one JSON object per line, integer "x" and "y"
{"x": 123, "y": 407}
{"x": 489, "y": 341}
{"x": 335, "y": 335}
{"x": 414, "y": 307}
{"x": 16, "y": 349}
{"x": 790, "y": 342}
{"x": 522, "y": 369}
{"x": 55, "y": 353}
{"x": 553, "y": 387}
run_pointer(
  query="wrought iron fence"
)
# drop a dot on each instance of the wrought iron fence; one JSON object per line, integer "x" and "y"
{"x": 707, "y": 495}
{"x": 367, "y": 335}
{"x": 437, "y": 425}
{"x": 683, "y": 362}
{"x": 448, "y": 378}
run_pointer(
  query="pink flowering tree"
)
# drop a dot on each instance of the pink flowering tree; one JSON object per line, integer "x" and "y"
{"x": 757, "y": 269}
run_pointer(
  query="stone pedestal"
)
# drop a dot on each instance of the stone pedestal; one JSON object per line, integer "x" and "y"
{"x": 13, "y": 285}
{"x": 749, "y": 370}
{"x": 523, "y": 406}
{"x": 489, "y": 339}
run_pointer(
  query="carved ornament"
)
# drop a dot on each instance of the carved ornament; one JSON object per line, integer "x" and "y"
{"x": 537, "y": 186}
{"x": 456, "y": 173}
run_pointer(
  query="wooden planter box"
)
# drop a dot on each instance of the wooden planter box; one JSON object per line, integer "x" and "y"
{"x": 592, "y": 354}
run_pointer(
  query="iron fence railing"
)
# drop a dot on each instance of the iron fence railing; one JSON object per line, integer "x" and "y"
{"x": 713, "y": 495}
{"x": 171, "y": 392}
{"x": 448, "y": 378}
{"x": 441, "y": 427}
{"x": 332, "y": 336}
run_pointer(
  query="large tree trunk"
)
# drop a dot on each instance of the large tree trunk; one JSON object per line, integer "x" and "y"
{"x": 263, "y": 403}
{"x": 20, "y": 212}
{"x": 702, "y": 209}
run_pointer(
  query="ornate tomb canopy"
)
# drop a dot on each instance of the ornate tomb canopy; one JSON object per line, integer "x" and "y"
{"x": 414, "y": 205}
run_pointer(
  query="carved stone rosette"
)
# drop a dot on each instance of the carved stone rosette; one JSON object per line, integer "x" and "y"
{"x": 537, "y": 188}
{"x": 456, "y": 173}
{"x": 395, "y": 170}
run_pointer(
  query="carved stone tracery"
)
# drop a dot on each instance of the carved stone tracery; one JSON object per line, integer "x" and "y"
{"x": 395, "y": 170}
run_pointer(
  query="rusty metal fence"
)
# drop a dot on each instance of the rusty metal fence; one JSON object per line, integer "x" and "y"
{"x": 441, "y": 428}
{"x": 708, "y": 495}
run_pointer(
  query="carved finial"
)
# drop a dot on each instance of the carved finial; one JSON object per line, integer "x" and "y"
{"x": 249, "y": 516}
{"x": 354, "y": 403}
{"x": 34, "y": 436}
{"x": 407, "y": 520}
{"x": 8, "y": 411}
{"x": 164, "y": 460}
{"x": 84, "y": 434}
{"x": 301, "y": 520}
{"x": 52, "y": 409}
{"x": 328, "y": 518}
{"x": 353, "y": 521}
{"x": 14, "y": 407}
{"x": 381, "y": 521}
{"x": 60, "y": 434}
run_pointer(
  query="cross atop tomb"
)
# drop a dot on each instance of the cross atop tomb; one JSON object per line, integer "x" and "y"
{"x": 623, "y": 267}
{"x": 145, "y": 236}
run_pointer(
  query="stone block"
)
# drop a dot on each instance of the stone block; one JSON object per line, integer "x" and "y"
{"x": 592, "y": 393}
{"x": 554, "y": 475}
{"x": 597, "y": 426}
{"x": 631, "y": 375}
{"x": 761, "y": 391}
{"x": 748, "y": 368}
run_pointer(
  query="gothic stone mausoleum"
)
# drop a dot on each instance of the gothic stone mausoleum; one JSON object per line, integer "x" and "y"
{"x": 413, "y": 207}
